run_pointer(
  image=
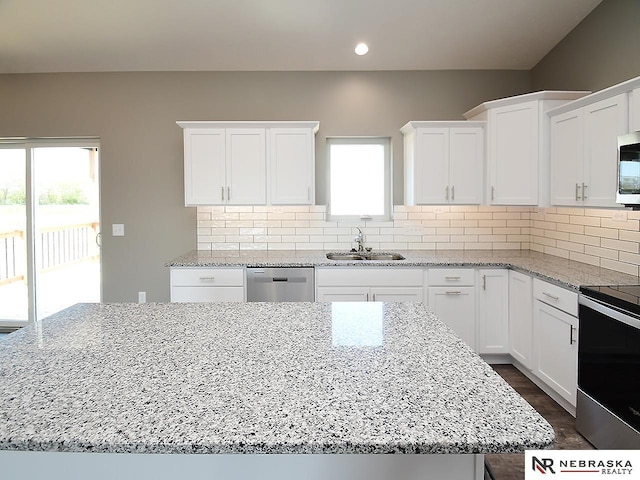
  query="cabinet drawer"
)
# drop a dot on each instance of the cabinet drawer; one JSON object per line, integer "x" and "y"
{"x": 561, "y": 298}
{"x": 369, "y": 277}
{"x": 451, "y": 276}
{"x": 207, "y": 294}
{"x": 207, "y": 277}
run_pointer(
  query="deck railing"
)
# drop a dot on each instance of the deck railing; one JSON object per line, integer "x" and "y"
{"x": 11, "y": 256}
{"x": 58, "y": 246}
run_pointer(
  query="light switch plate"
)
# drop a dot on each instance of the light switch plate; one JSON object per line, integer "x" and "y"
{"x": 117, "y": 229}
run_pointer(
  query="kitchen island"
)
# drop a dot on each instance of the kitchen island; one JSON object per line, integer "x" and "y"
{"x": 105, "y": 385}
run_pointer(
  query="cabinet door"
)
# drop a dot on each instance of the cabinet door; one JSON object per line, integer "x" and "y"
{"x": 432, "y": 165}
{"x": 397, "y": 294}
{"x": 291, "y": 166}
{"x": 466, "y": 157}
{"x": 634, "y": 111}
{"x": 567, "y": 158}
{"x": 493, "y": 311}
{"x": 204, "y": 166}
{"x": 603, "y": 121}
{"x": 521, "y": 318}
{"x": 342, "y": 294}
{"x": 555, "y": 350}
{"x": 514, "y": 154}
{"x": 246, "y": 166}
{"x": 456, "y": 307}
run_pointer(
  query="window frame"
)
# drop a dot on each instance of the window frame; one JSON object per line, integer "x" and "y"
{"x": 388, "y": 178}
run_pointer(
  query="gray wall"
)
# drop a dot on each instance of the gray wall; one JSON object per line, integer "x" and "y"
{"x": 604, "y": 49}
{"x": 134, "y": 116}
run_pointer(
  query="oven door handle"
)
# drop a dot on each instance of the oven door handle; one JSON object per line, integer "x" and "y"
{"x": 609, "y": 312}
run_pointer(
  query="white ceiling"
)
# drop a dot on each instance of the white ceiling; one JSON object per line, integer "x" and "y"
{"x": 209, "y": 35}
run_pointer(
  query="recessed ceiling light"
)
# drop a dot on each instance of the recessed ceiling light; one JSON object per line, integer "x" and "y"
{"x": 361, "y": 49}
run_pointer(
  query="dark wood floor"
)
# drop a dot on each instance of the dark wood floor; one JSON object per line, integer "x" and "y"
{"x": 511, "y": 467}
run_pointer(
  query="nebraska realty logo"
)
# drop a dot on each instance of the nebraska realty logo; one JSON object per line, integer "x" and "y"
{"x": 584, "y": 464}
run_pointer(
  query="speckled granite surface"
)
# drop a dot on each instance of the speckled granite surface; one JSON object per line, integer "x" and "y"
{"x": 254, "y": 377}
{"x": 567, "y": 273}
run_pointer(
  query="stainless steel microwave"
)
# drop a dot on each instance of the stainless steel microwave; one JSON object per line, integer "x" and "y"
{"x": 628, "y": 192}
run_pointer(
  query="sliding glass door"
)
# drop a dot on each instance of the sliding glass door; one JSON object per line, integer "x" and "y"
{"x": 14, "y": 304}
{"x": 50, "y": 221}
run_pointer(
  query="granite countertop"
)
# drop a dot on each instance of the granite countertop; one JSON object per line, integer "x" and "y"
{"x": 255, "y": 378}
{"x": 564, "y": 272}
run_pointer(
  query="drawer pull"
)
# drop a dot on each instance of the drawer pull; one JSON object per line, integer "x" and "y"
{"x": 453, "y": 292}
{"x": 452, "y": 278}
{"x": 554, "y": 297}
{"x": 571, "y": 339}
{"x": 207, "y": 279}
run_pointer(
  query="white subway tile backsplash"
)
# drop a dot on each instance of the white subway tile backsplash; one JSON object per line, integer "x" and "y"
{"x": 607, "y": 238}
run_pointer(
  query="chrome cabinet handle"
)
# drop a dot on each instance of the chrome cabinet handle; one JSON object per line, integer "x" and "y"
{"x": 452, "y": 278}
{"x": 493, "y": 191}
{"x": 228, "y": 193}
{"x": 584, "y": 191}
{"x": 374, "y": 297}
{"x": 577, "y": 192}
{"x": 207, "y": 279}
{"x": 367, "y": 296}
{"x": 309, "y": 193}
{"x": 446, "y": 196}
{"x": 453, "y": 292}
{"x": 554, "y": 297}
{"x": 572, "y": 340}
{"x": 453, "y": 193}
{"x": 222, "y": 190}
{"x": 484, "y": 282}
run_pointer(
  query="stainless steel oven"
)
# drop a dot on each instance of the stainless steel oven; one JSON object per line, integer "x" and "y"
{"x": 608, "y": 408}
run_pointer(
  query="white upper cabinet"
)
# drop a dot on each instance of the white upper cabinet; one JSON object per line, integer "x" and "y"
{"x": 584, "y": 152}
{"x": 517, "y": 146}
{"x": 245, "y": 166}
{"x": 443, "y": 162}
{"x": 204, "y": 166}
{"x": 232, "y": 163}
{"x": 291, "y": 166}
{"x": 634, "y": 111}
{"x": 514, "y": 146}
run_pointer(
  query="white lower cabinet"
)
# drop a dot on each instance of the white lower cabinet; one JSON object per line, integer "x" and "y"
{"x": 492, "y": 327}
{"x": 199, "y": 284}
{"x": 556, "y": 354}
{"x": 555, "y": 339}
{"x": 452, "y": 298}
{"x": 366, "y": 294}
{"x": 456, "y": 308}
{"x": 337, "y": 284}
{"x": 521, "y": 318}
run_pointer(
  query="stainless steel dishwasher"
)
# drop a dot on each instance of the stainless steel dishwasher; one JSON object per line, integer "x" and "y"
{"x": 280, "y": 285}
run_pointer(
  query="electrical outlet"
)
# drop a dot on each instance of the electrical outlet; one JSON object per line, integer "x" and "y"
{"x": 142, "y": 297}
{"x": 117, "y": 230}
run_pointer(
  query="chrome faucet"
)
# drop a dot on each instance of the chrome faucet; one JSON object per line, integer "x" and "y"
{"x": 359, "y": 239}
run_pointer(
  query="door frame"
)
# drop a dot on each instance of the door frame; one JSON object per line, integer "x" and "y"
{"x": 32, "y": 274}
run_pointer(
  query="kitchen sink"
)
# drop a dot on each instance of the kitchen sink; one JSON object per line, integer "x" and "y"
{"x": 344, "y": 256}
{"x": 364, "y": 256}
{"x": 384, "y": 256}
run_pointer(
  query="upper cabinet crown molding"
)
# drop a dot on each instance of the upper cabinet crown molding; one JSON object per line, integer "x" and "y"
{"x": 594, "y": 97}
{"x": 312, "y": 124}
{"x": 564, "y": 95}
